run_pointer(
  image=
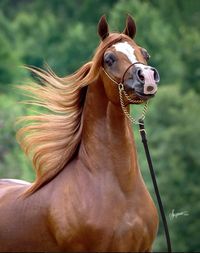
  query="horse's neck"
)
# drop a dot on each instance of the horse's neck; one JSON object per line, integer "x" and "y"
{"x": 107, "y": 141}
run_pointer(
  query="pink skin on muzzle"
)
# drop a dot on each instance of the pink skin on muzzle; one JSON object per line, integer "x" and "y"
{"x": 150, "y": 86}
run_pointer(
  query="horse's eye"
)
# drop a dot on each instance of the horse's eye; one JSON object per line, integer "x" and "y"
{"x": 145, "y": 54}
{"x": 109, "y": 59}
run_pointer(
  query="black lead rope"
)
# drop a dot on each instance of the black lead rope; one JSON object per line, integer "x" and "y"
{"x": 148, "y": 156}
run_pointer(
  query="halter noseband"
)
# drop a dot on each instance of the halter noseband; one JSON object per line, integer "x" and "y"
{"x": 122, "y": 79}
{"x": 123, "y": 92}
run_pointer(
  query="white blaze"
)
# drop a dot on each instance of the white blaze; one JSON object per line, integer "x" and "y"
{"x": 129, "y": 51}
{"x": 126, "y": 49}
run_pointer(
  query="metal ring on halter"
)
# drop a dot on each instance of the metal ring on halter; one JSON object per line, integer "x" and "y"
{"x": 121, "y": 86}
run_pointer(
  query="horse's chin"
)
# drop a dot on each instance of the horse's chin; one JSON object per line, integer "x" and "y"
{"x": 140, "y": 98}
{"x": 143, "y": 96}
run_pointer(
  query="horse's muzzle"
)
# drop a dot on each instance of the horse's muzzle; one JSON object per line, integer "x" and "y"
{"x": 149, "y": 78}
{"x": 144, "y": 80}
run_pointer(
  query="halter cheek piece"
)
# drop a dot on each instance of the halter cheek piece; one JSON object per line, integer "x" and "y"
{"x": 123, "y": 92}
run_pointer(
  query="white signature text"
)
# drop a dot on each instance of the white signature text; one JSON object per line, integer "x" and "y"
{"x": 173, "y": 215}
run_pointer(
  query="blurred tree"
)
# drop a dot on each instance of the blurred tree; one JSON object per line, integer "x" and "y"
{"x": 67, "y": 28}
{"x": 179, "y": 12}
{"x": 191, "y": 58}
{"x": 9, "y": 56}
{"x": 183, "y": 17}
{"x": 13, "y": 162}
{"x": 37, "y": 33}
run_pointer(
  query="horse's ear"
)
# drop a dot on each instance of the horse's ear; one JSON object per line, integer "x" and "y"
{"x": 130, "y": 28}
{"x": 103, "y": 29}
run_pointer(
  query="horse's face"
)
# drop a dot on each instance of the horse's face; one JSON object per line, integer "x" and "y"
{"x": 127, "y": 63}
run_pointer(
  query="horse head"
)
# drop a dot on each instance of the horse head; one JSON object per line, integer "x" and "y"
{"x": 125, "y": 63}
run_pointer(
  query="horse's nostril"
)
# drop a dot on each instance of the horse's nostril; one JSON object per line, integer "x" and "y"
{"x": 150, "y": 88}
{"x": 156, "y": 75}
{"x": 140, "y": 76}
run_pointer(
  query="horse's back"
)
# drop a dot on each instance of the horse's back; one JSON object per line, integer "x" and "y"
{"x": 13, "y": 181}
{"x": 11, "y": 187}
{"x": 22, "y": 219}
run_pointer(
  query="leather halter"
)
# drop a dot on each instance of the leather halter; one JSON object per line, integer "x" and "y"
{"x": 137, "y": 62}
{"x": 122, "y": 79}
{"x": 123, "y": 92}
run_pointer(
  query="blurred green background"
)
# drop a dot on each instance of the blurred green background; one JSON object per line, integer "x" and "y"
{"x": 63, "y": 34}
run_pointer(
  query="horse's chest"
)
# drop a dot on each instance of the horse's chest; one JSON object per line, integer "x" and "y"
{"x": 120, "y": 225}
{"x": 103, "y": 219}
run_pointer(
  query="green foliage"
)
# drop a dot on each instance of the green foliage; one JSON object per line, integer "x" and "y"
{"x": 13, "y": 162}
{"x": 9, "y": 56}
{"x": 63, "y": 34}
{"x": 191, "y": 57}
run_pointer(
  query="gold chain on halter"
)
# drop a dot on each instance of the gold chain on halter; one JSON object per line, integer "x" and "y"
{"x": 128, "y": 115}
{"x": 123, "y": 92}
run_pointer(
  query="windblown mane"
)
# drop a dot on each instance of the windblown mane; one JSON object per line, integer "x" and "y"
{"x": 51, "y": 139}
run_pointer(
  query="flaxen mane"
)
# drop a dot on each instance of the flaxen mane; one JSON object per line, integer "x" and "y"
{"x": 51, "y": 139}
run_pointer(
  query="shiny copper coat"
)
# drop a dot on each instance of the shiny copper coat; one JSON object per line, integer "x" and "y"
{"x": 97, "y": 203}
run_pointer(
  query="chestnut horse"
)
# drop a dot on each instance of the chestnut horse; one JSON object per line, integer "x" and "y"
{"x": 89, "y": 194}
